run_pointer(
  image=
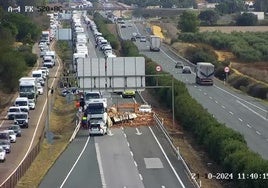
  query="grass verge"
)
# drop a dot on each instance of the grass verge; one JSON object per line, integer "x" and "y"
{"x": 50, "y": 152}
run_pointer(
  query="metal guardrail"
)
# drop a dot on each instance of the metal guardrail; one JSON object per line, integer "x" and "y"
{"x": 161, "y": 126}
{"x": 169, "y": 139}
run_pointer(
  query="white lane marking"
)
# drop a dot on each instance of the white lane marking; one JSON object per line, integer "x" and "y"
{"x": 131, "y": 153}
{"x": 172, "y": 168}
{"x": 251, "y": 110}
{"x": 78, "y": 158}
{"x": 258, "y": 132}
{"x": 241, "y": 99}
{"x": 162, "y": 186}
{"x": 200, "y": 89}
{"x": 125, "y": 135}
{"x": 100, "y": 165}
{"x": 205, "y": 93}
{"x": 240, "y": 119}
{"x": 223, "y": 89}
{"x": 138, "y": 132}
{"x": 128, "y": 144}
{"x": 33, "y": 137}
{"x": 249, "y": 126}
{"x": 210, "y": 97}
{"x": 231, "y": 113}
{"x": 223, "y": 106}
{"x": 135, "y": 163}
{"x": 141, "y": 178}
{"x": 216, "y": 102}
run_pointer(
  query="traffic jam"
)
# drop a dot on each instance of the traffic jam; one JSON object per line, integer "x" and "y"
{"x": 31, "y": 88}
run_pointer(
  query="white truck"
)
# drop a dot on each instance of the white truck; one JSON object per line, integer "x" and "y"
{"x": 38, "y": 74}
{"x": 155, "y": 43}
{"x": 46, "y": 36}
{"x": 204, "y": 73}
{"x": 28, "y": 88}
{"x": 97, "y": 117}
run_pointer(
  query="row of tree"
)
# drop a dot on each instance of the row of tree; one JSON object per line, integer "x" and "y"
{"x": 17, "y": 33}
{"x": 224, "y": 145}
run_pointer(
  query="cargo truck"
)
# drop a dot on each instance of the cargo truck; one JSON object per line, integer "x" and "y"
{"x": 204, "y": 73}
{"x": 155, "y": 43}
{"x": 97, "y": 117}
{"x": 28, "y": 88}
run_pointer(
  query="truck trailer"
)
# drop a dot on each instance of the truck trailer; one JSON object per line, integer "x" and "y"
{"x": 204, "y": 73}
{"x": 155, "y": 43}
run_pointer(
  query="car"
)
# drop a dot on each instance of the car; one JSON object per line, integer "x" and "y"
{"x": 143, "y": 39}
{"x": 186, "y": 70}
{"x": 12, "y": 111}
{"x": 16, "y": 129}
{"x": 145, "y": 108}
{"x": 138, "y": 36}
{"x": 22, "y": 119}
{"x": 65, "y": 92}
{"x": 128, "y": 94}
{"x": 5, "y": 144}
{"x": 4, "y": 135}
{"x": 46, "y": 69}
{"x": 179, "y": 65}
{"x": 133, "y": 38}
{"x": 31, "y": 104}
{"x": 40, "y": 90}
{"x": 12, "y": 135}
{"x": 2, "y": 154}
{"x": 123, "y": 26}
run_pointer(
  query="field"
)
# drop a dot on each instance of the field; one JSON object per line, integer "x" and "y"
{"x": 229, "y": 29}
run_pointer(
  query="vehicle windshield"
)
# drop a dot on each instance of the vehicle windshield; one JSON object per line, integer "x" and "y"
{"x": 37, "y": 75}
{"x": 92, "y": 96}
{"x": 27, "y": 89}
{"x": 3, "y": 142}
{"x": 95, "y": 108}
{"x": 14, "y": 110}
{"x": 13, "y": 128}
{"x": 21, "y": 103}
{"x": 20, "y": 116}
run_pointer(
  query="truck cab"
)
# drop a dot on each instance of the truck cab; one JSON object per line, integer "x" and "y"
{"x": 204, "y": 73}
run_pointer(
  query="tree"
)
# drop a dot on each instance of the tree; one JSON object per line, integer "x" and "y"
{"x": 209, "y": 17}
{"x": 246, "y": 19}
{"x": 188, "y": 22}
{"x": 261, "y": 5}
{"x": 230, "y": 6}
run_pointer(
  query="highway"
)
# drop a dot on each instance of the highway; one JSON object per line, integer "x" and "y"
{"x": 130, "y": 157}
{"x": 243, "y": 113}
{"x": 31, "y": 135}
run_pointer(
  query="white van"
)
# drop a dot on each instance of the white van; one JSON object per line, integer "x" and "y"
{"x": 23, "y": 103}
{"x": 39, "y": 75}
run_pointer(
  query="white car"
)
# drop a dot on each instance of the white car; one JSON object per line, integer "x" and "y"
{"x": 2, "y": 154}
{"x": 12, "y": 136}
{"x": 145, "y": 108}
{"x": 40, "y": 90}
{"x": 31, "y": 104}
{"x": 12, "y": 111}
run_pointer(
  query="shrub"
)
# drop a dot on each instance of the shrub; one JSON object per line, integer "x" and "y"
{"x": 258, "y": 90}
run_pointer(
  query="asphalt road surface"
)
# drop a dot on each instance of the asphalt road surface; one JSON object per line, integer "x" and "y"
{"x": 126, "y": 157}
{"x": 243, "y": 113}
{"x": 30, "y": 135}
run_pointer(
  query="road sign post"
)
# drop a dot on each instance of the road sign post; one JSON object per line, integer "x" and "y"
{"x": 226, "y": 70}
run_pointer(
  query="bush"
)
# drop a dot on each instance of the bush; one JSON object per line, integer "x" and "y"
{"x": 30, "y": 58}
{"x": 258, "y": 90}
